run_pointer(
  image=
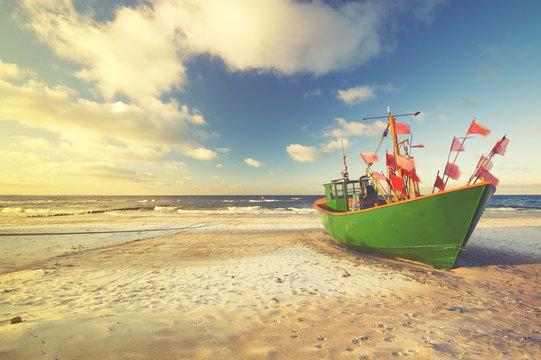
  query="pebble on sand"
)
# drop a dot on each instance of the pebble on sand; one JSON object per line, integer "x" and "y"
{"x": 16, "y": 320}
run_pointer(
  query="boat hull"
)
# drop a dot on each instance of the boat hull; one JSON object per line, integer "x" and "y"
{"x": 432, "y": 229}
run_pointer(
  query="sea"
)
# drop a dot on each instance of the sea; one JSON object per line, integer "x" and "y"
{"x": 45, "y": 206}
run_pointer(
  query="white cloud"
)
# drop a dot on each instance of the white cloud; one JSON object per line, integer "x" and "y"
{"x": 362, "y": 93}
{"x": 356, "y": 94}
{"x": 142, "y": 53}
{"x": 200, "y": 153}
{"x": 302, "y": 153}
{"x": 252, "y": 162}
{"x": 143, "y": 50}
{"x": 140, "y": 132}
{"x": 281, "y": 35}
{"x": 355, "y": 128}
{"x": 135, "y": 54}
{"x": 175, "y": 165}
{"x": 340, "y": 133}
{"x": 335, "y": 145}
{"x": 8, "y": 70}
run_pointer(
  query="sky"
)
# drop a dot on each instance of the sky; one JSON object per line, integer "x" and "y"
{"x": 216, "y": 97}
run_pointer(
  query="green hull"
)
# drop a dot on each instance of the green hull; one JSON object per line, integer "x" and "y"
{"x": 432, "y": 229}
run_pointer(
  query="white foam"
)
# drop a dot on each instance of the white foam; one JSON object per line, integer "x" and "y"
{"x": 166, "y": 208}
{"x": 511, "y": 210}
{"x": 12, "y": 210}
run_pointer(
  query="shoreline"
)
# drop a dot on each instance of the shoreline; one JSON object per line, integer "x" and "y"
{"x": 243, "y": 289}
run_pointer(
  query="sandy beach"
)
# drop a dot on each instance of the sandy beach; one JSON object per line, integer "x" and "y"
{"x": 258, "y": 287}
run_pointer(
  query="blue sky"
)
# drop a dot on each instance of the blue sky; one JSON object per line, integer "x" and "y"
{"x": 254, "y": 97}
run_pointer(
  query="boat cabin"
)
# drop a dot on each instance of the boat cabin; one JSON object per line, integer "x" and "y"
{"x": 351, "y": 195}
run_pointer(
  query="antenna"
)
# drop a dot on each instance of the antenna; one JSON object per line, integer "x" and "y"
{"x": 345, "y": 171}
{"x": 387, "y": 116}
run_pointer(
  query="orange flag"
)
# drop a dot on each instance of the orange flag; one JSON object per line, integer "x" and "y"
{"x": 401, "y": 128}
{"x": 476, "y": 128}
{"x": 369, "y": 158}
{"x": 379, "y": 176}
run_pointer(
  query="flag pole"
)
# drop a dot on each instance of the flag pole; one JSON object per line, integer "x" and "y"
{"x": 376, "y": 182}
{"x": 477, "y": 173}
{"x": 456, "y": 156}
{"x": 434, "y": 187}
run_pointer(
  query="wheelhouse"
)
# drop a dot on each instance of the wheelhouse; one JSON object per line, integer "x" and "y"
{"x": 351, "y": 195}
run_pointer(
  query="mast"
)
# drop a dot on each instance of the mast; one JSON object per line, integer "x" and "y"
{"x": 396, "y": 151}
{"x": 393, "y": 136}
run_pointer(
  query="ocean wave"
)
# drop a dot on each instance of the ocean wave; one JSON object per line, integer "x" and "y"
{"x": 264, "y": 200}
{"x": 12, "y": 210}
{"x": 510, "y": 210}
{"x": 31, "y": 212}
{"x": 166, "y": 208}
{"x": 247, "y": 210}
{"x": 46, "y": 212}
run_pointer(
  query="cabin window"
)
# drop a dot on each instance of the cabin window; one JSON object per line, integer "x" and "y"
{"x": 332, "y": 191}
{"x": 340, "y": 191}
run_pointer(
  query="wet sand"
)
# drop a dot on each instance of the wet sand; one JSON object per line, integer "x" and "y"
{"x": 257, "y": 287}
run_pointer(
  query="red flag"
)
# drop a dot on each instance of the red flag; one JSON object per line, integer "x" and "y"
{"x": 501, "y": 146}
{"x": 439, "y": 183}
{"x": 485, "y": 175}
{"x": 405, "y": 163}
{"x": 417, "y": 146}
{"x": 369, "y": 158}
{"x": 484, "y": 163}
{"x": 398, "y": 183}
{"x": 413, "y": 175}
{"x": 391, "y": 162}
{"x": 401, "y": 128}
{"x": 379, "y": 176}
{"x": 452, "y": 171}
{"x": 476, "y": 128}
{"x": 457, "y": 145}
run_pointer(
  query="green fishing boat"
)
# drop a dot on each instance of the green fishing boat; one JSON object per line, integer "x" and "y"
{"x": 386, "y": 214}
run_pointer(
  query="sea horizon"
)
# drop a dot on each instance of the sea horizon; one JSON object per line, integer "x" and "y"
{"x": 64, "y": 205}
